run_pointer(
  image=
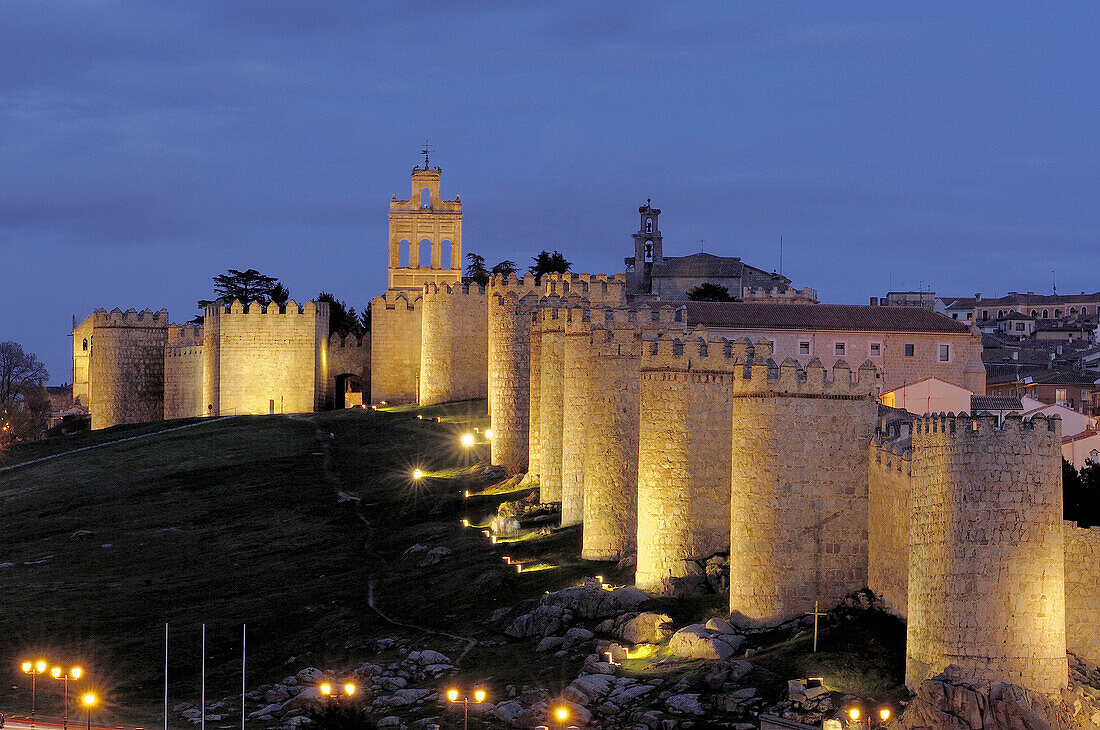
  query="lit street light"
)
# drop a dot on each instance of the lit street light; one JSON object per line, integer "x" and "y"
{"x": 329, "y": 691}
{"x": 562, "y": 714}
{"x": 467, "y": 439}
{"x": 34, "y": 669}
{"x": 479, "y": 697}
{"x": 74, "y": 673}
{"x": 89, "y": 701}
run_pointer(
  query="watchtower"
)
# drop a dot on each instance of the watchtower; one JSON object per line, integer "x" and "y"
{"x": 425, "y": 234}
{"x": 647, "y": 250}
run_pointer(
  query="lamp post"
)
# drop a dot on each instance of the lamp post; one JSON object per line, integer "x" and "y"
{"x": 348, "y": 688}
{"x": 89, "y": 700}
{"x": 34, "y": 669}
{"x": 479, "y": 697}
{"x": 74, "y": 673}
{"x": 562, "y": 714}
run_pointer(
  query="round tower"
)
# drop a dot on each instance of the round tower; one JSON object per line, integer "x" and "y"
{"x": 798, "y": 506}
{"x": 534, "y": 407}
{"x": 453, "y": 343}
{"x": 126, "y": 366}
{"x": 683, "y": 458}
{"x": 551, "y": 374}
{"x": 986, "y": 558}
{"x": 575, "y": 394}
{"x": 511, "y": 302}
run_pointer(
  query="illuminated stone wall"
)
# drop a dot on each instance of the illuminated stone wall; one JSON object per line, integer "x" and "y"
{"x": 265, "y": 360}
{"x": 347, "y": 356}
{"x": 551, "y": 320}
{"x": 986, "y": 552}
{"x": 511, "y": 302}
{"x": 453, "y": 343}
{"x": 1083, "y": 591}
{"x": 126, "y": 366}
{"x": 888, "y": 485}
{"x": 82, "y": 351}
{"x": 798, "y": 514}
{"x": 183, "y": 372}
{"x": 683, "y": 457}
{"x": 395, "y": 347}
{"x": 534, "y": 405}
{"x": 574, "y": 418}
{"x": 611, "y": 457}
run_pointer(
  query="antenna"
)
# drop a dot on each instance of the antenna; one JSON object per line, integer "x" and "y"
{"x": 1053, "y": 283}
{"x": 781, "y": 255}
{"x": 424, "y": 152}
{"x": 701, "y": 245}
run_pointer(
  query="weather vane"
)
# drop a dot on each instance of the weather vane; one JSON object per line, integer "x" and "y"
{"x": 425, "y": 153}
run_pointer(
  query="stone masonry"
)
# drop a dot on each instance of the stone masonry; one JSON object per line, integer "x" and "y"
{"x": 574, "y": 425}
{"x": 453, "y": 343}
{"x": 126, "y": 366}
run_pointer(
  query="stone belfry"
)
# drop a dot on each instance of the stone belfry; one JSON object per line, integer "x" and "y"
{"x": 647, "y": 251}
{"x": 425, "y": 233}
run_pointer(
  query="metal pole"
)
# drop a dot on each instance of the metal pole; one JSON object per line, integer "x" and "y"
{"x": 65, "y": 705}
{"x": 34, "y": 674}
{"x": 244, "y": 654}
{"x": 466, "y": 713}
{"x": 202, "y": 693}
{"x": 165, "y": 675}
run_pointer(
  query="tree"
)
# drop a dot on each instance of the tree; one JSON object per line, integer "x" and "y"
{"x": 342, "y": 318}
{"x": 709, "y": 292}
{"x": 476, "y": 273}
{"x": 280, "y": 294}
{"x": 246, "y": 287}
{"x": 549, "y": 263}
{"x": 18, "y": 371}
{"x": 507, "y": 267}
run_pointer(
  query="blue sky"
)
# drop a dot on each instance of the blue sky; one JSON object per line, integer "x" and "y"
{"x": 145, "y": 147}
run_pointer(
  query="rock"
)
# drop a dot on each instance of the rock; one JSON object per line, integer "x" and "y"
{"x": 514, "y": 713}
{"x": 499, "y": 614}
{"x": 685, "y": 704}
{"x": 642, "y": 628}
{"x": 427, "y": 656}
{"x": 575, "y": 636}
{"x": 390, "y": 721}
{"x": 392, "y": 683}
{"x": 505, "y": 526}
{"x": 367, "y": 669}
{"x": 625, "y": 695}
{"x": 415, "y": 549}
{"x": 593, "y": 602}
{"x": 298, "y": 721}
{"x": 436, "y": 556}
{"x": 587, "y": 689}
{"x": 721, "y": 626}
{"x": 550, "y": 643}
{"x": 695, "y": 642}
{"x": 309, "y": 675}
{"x": 489, "y": 582}
{"x": 270, "y": 709}
{"x": 80, "y": 535}
{"x": 543, "y": 621}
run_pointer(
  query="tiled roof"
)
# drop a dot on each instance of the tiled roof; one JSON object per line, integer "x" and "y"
{"x": 699, "y": 265}
{"x": 1016, "y": 298}
{"x": 995, "y": 403}
{"x": 842, "y": 317}
{"x": 1039, "y": 376}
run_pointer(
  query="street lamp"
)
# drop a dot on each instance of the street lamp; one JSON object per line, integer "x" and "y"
{"x": 329, "y": 691}
{"x": 34, "y": 669}
{"x": 883, "y": 716}
{"x": 562, "y": 714}
{"x": 89, "y": 700}
{"x": 74, "y": 673}
{"x": 479, "y": 697}
{"x": 467, "y": 439}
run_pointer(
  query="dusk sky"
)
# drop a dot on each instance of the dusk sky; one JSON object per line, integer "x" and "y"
{"x": 145, "y": 147}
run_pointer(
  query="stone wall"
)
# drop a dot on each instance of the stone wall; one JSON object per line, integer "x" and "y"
{"x": 453, "y": 343}
{"x": 683, "y": 458}
{"x": 267, "y": 360}
{"x": 347, "y": 356}
{"x": 986, "y": 551}
{"x": 183, "y": 372}
{"x": 534, "y": 405}
{"x": 82, "y": 351}
{"x": 551, "y": 319}
{"x": 611, "y": 458}
{"x": 126, "y": 366}
{"x": 575, "y": 395}
{"x": 798, "y": 515}
{"x": 395, "y": 347}
{"x": 1083, "y": 591}
{"x": 511, "y": 302}
{"x": 888, "y": 485}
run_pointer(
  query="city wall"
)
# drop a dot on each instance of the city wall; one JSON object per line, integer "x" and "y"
{"x": 551, "y": 325}
{"x": 454, "y": 343}
{"x": 1083, "y": 591}
{"x": 986, "y": 552}
{"x": 574, "y": 423}
{"x": 348, "y": 357}
{"x": 888, "y": 485}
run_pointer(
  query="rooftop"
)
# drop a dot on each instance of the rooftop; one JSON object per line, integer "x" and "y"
{"x": 837, "y": 317}
{"x": 995, "y": 403}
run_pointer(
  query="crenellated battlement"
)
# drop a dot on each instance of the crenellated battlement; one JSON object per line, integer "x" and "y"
{"x": 596, "y": 287}
{"x": 578, "y": 320}
{"x": 258, "y": 309}
{"x": 395, "y": 300}
{"x": 892, "y": 455}
{"x": 182, "y": 334}
{"x": 964, "y": 425}
{"x": 130, "y": 318}
{"x": 338, "y": 341}
{"x": 779, "y": 295}
{"x": 642, "y": 316}
{"x": 182, "y": 349}
{"x": 500, "y": 284}
{"x": 456, "y": 289}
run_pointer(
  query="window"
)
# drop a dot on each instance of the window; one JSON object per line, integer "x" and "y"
{"x": 84, "y": 345}
{"x": 1059, "y": 395}
{"x": 425, "y": 198}
{"x": 803, "y": 348}
{"x": 945, "y": 353}
{"x": 649, "y": 225}
{"x": 1045, "y": 316}
{"x": 970, "y": 315}
{"x": 954, "y": 315}
{"x": 648, "y": 252}
{"x": 876, "y": 349}
{"x": 1019, "y": 326}
{"x": 1094, "y": 456}
{"x": 985, "y": 314}
{"x": 909, "y": 351}
{"x": 840, "y": 348}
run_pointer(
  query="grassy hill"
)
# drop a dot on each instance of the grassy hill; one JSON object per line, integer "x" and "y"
{"x": 257, "y": 520}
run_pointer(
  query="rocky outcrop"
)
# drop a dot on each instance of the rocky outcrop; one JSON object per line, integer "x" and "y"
{"x": 642, "y": 628}
{"x": 698, "y": 642}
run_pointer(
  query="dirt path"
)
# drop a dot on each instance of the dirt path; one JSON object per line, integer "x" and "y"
{"x": 110, "y": 443}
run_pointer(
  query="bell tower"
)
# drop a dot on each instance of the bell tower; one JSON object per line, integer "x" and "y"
{"x": 425, "y": 233}
{"x": 647, "y": 251}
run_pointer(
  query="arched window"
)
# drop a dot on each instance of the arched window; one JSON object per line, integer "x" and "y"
{"x": 403, "y": 254}
{"x": 1073, "y": 310}
{"x": 1034, "y": 313}
{"x": 1046, "y": 314}
{"x": 84, "y": 345}
{"x": 425, "y": 198}
{"x": 1000, "y": 313}
{"x": 649, "y": 252}
{"x": 424, "y": 254}
{"x": 649, "y": 225}
{"x": 445, "y": 255}
{"x": 1057, "y": 313}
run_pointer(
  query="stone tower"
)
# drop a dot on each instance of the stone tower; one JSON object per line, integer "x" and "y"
{"x": 798, "y": 507}
{"x": 986, "y": 552}
{"x": 453, "y": 342}
{"x": 512, "y": 302}
{"x": 425, "y": 234}
{"x": 126, "y": 366}
{"x": 647, "y": 251}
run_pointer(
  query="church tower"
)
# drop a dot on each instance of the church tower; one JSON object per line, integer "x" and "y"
{"x": 425, "y": 234}
{"x": 647, "y": 251}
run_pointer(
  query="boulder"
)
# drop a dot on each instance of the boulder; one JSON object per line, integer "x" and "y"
{"x": 505, "y": 526}
{"x": 642, "y": 628}
{"x": 593, "y": 602}
{"x": 550, "y": 643}
{"x": 436, "y": 556}
{"x": 543, "y": 621}
{"x": 389, "y": 721}
{"x": 587, "y": 689}
{"x": 695, "y": 642}
{"x": 426, "y": 657}
{"x": 685, "y": 704}
{"x": 576, "y": 636}
{"x": 514, "y": 713}
{"x": 721, "y": 626}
